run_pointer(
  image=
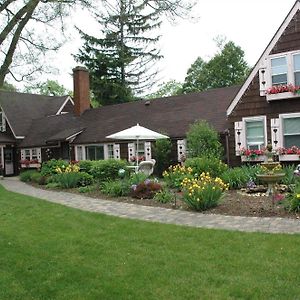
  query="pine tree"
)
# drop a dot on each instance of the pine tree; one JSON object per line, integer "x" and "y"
{"x": 122, "y": 61}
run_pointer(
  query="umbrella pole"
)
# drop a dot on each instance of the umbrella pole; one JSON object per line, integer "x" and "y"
{"x": 137, "y": 153}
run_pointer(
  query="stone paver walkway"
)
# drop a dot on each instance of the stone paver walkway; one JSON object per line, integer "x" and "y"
{"x": 156, "y": 214}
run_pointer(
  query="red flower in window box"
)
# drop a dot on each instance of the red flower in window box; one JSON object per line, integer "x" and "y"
{"x": 277, "y": 89}
{"x": 25, "y": 162}
{"x": 287, "y": 151}
{"x": 251, "y": 153}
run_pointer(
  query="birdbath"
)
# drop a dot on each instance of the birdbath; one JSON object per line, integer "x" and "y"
{"x": 270, "y": 177}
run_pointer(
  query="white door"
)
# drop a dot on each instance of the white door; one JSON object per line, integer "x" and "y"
{"x": 8, "y": 162}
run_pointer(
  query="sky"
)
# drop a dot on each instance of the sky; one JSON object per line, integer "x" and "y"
{"x": 250, "y": 24}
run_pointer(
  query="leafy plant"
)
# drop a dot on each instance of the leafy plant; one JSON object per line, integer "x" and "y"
{"x": 164, "y": 196}
{"x": 175, "y": 174}
{"x": 162, "y": 152}
{"x": 293, "y": 199}
{"x": 203, "y": 140}
{"x": 104, "y": 170}
{"x": 137, "y": 178}
{"x": 214, "y": 166}
{"x": 86, "y": 189}
{"x": 50, "y": 167}
{"x": 146, "y": 189}
{"x": 86, "y": 165}
{"x": 53, "y": 185}
{"x": 72, "y": 180}
{"x": 203, "y": 193}
{"x": 26, "y": 176}
{"x": 235, "y": 177}
{"x": 118, "y": 188}
{"x": 290, "y": 178}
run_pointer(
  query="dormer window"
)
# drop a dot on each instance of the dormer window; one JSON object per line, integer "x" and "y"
{"x": 2, "y": 122}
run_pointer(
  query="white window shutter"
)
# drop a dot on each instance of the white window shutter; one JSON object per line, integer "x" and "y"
{"x": 117, "y": 151}
{"x": 263, "y": 81}
{"x": 148, "y": 154}
{"x": 22, "y": 154}
{"x": 240, "y": 139}
{"x": 39, "y": 154}
{"x": 181, "y": 149}
{"x": 276, "y": 134}
{"x": 131, "y": 151}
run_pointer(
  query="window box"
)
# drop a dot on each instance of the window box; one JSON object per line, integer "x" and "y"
{"x": 259, "y": 158}
{"x": 32, "y": 166}
{"x": 289, "y": 157}
{"x": 279, "y": 96}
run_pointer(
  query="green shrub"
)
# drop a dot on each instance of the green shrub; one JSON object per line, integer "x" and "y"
{"x": 49, "y": 167}
{"x": 214, "y": 166}
{"x": 71, "y": 180}
{"x": 53, "y": 185}
{"x": 203, "y": 193}
{"x": 26, "y": 176}
{"x": 162, "y": 153}
{"x": 203, "y": 140}
{"x": 289, "y": 178}
{"x": 235, "y": 177}
{"x": 105, "y": 170}
{"x": 86, "y": 189}
{"x": 164, "y": 196}
{"x": 293, "y": 199}
{"x": 36, "y": 177}
{"x": 118, "y": 188}
{"x": 86, "y": 165}
{"x": 175, "y": 174}
{"x": 137, "y": 178}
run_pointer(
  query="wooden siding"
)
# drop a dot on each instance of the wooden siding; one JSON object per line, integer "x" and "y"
{"x": 252, "y": 104}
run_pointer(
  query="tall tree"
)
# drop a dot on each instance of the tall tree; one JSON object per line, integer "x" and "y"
{"x": 228, "y": 67}
{"x": 121, "y": 61}
{"x": 22, "y": 46}
{"x": 167, "y": 89}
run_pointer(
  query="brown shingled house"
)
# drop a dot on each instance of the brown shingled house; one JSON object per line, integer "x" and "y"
{"x": 266, "y": 107}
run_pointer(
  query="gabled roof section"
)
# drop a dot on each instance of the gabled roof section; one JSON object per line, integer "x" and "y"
{"x": 170, "y": 115}
{"x": 265, "y": 54}
{"x": 21, "y": 109}
{"x": 52, "y": 129}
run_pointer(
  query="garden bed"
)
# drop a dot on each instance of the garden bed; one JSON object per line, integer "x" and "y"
{"x": 234, "y": 203}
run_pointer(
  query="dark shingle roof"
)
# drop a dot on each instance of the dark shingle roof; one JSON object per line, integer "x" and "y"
{"x": 51, "y": 129}
{"x": 171, "y": 115}
{"x": 6, "y": 138}
{"x": 21, "y": 109}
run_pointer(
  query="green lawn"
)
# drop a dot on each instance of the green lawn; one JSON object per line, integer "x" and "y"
{"x": 48, "y": 251}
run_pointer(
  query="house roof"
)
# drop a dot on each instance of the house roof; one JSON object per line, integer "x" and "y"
{"x": 55, "y": 128}
{"x": 20, "y": 109}
{"x": 171, "y": 115}
{"x": 263, "y": 57}
{"x": 6, "y": 138}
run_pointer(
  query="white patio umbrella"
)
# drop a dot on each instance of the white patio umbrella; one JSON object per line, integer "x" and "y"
{"x": 137, "y": 133}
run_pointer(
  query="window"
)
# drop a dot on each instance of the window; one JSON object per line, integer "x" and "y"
{"x": 255, "y": 133}
{"x": 31, "y": 154}
{"x": 296, "y": 59}
{"x": 140, "y": 149}
{"x": 279, "y": 71}
{"x": 79, "y": 153}
{"x": 291, "y": 132}
{"x": 110, "y": 151}
{"x": 95, "y": 152}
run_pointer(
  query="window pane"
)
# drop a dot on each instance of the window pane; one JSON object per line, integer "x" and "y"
{"x": 90, "y": 153}
{"x": 279, "y": 65}
{"x": 291, "y": 126}
{"x": 79, "y": 153}
{"x": 297, "y": 78}
{"x": 110, "y": 150}
{"x": 255, "y": 134}
{"x": 292, "y": 140}
{"x": 99, "y": 152}
{"x": 27, "y": 154}
{"x": 297, "y": 62}
{"x": 141, "y": 148}
{"x": 279, "y": 79}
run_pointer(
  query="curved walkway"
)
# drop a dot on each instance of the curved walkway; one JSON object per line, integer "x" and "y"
{"x": 156, "y": 214}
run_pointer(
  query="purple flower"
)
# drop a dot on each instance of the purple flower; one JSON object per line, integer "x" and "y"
{"x": 147, "y": 181}
{"x": 133, "y": 187}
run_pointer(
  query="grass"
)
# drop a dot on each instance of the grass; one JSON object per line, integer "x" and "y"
{"x": 48, "y": 251}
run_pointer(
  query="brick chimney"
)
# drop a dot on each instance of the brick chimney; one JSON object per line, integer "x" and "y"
{"x": 81, "y": 90}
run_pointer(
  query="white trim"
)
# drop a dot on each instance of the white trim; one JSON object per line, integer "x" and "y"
{"x": 64, "y": 104}
{"x": 38, "y": 153}
{"x": 73, "y": 135}
{"x": 2, "y": 155}
{"x": 255, "y": 118}
{"x": 83, "y": 152}
{"x": 17, "y": 137}
{"x": 289, "y": 157}
{"x": 263, "y": 57}
{"x": 281, "y": 118}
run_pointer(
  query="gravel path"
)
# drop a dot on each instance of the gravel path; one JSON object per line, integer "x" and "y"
{"x": 156, "y": 214}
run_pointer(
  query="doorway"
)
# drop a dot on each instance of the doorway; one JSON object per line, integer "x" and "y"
{"x": 8, "y": 161}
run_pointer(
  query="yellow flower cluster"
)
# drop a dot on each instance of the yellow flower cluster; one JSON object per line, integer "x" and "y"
{"x": 178, "y": 169}
{"x": 298, "y": 196}
{"x": 73, "y": 168}
{"x": 194, "y": 185}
